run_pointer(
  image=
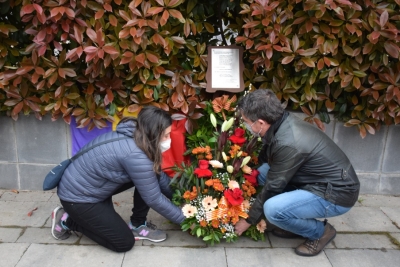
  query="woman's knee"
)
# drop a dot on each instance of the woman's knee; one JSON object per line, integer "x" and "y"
{"x": 125, "y": 246}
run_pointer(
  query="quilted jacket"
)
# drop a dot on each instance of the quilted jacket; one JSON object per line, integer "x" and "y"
{"x": 303, "y": 157}
{"x": 95, "y": 175}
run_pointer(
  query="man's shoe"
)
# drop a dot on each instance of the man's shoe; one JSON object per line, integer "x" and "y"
{"x": 57, "y": 230}
{"x": 148, "y": 231}
{"x": 314, "y": 247}
{"x": 284, "y": 234}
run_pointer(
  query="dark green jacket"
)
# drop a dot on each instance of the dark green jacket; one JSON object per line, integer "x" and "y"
{"x": 302, "y": 156}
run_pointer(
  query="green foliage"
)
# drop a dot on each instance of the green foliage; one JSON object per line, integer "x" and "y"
{"x": 84, "y": 58}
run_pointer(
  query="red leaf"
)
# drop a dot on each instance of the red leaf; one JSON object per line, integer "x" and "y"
{"x": 99, "y": 14}
{"x": 90, "y": 49}
{"x": 78, "y": 34}
{"x": 392, "y": 49}
{"x": 31, "y": 212}
{"x": 384, "y": 18}
{"x": 155, "y": 10}
{"x": 18, "y": 108}
{"x": 113, "y": 20}
{"x": 107, "y": 7}
{"x": 287, "y": 60}
{"x": 110, "y": 50}
{"x": 92, "y": 34}
{"x": 28, "y": 9}
{"x": 176, "y": 14}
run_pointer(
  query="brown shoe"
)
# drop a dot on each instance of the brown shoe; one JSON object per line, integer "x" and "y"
{"x": 314, "y": 247}
{"x": 284, "y": 234}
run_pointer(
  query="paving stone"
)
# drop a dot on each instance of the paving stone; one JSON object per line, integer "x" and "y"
{"x": 43, "y": 142}
{"x": 390, "y": 184}
{"x": 168, "y": 257}
{"x": 9, "y": 176}
{"x": 362, "y": 257}
{"x": 278, "y": 242}
{"x": 277, "y": 257}
{"x": 397, "y": 237}
{"x": 390, "y": 162}
{"x": 376, "y": 241}
{"x": 8, "y": 150}
{"x": 379, "y": 201}
{"x": 363, "y": 219}
{"x": 14, "y": 213}
{"x": 11, "y": 253}
{"x": 124, "y": 198}
{"x": 43, "y": 236}
{"x": 177, "y": 239}
{"x": 9, "y": 235}
{"x": 393, "y": 214}
{"x": 369, "y": 183}
{"x": 66, "y": 256}
{"x": 246, "y": 242}
{"x": 27, "y": 196}
{"x": 365, "y": 154}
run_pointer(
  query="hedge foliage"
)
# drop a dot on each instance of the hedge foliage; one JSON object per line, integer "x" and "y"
{"x": 87, "y": 58}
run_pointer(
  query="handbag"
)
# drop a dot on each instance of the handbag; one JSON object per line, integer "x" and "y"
{"x": 53, "y": 178}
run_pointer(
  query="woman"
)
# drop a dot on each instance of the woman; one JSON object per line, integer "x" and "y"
{"x": 87, "y": 186}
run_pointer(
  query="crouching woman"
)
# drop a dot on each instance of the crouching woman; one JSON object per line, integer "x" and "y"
{"x": 89, "y": 182}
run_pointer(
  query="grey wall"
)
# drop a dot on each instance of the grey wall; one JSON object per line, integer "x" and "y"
{"x": 30, "y": 148}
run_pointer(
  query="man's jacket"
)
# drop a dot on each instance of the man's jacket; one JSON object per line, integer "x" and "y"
{"x": 302, "y": 156}
{"x": 97, "y": 174}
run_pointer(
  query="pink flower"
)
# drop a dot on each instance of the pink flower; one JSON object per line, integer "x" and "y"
{"x": 202, "y": 170}
{"x": 234, "y": 197}
{"x": 238, "y": 136}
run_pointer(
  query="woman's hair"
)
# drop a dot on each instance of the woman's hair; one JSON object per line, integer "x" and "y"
{"x": 261, "y": 104}
{"x": 150, "y": 126}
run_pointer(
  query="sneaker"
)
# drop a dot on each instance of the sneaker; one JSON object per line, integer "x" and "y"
{"x": 57, "y": 230}
{"x": 314, "y": 247}
{"x": 284, "y": 234}
{"x": 149, "y": 232}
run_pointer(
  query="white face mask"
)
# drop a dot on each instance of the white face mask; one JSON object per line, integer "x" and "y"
{"x": 248, "y": 127}
{"x": 165, "y": 145}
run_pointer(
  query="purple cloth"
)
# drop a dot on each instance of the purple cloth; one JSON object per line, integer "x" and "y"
{"x": 81, "y": 136}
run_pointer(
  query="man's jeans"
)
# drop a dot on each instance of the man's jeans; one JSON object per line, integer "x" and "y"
{"x": 295, "y": 211}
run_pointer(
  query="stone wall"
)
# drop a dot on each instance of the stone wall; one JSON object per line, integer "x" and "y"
{"x": 30, "y": 148}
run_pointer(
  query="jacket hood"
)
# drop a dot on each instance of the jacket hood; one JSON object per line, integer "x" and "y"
{"x": 126, "y": 127}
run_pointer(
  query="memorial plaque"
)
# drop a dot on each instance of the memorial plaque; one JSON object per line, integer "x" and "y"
{"x": 225, "y": 69}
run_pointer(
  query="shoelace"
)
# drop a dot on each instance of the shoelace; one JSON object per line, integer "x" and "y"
{"x": 151, "y": 226}
{"x": 311, "y": 244}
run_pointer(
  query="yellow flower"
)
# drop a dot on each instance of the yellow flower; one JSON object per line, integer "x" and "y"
{"x": 209, "y": 203}
{"x": 229, "y": 168}
{"x": 245, "y": 161}
{"x": 224, "y": 156}
{"x": 189, "y": 210}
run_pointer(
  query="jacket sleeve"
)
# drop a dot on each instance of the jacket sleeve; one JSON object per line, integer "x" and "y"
{"x": 140, "y": 169}
{"x": 164, "y": 185}
{"x": 284, "y": 163}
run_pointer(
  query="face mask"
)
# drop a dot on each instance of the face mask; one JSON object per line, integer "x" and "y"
{"x": 165, "y": 145}
{"x": 248, "y": 127}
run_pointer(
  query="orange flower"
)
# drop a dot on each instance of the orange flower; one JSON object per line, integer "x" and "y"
{"x": 209, "y": 156}
{"x": 223, "y": 103}
{"x": 203, "y": 223}
{"x": 234, "y": 150}
{"x": 209, "y": 182}
{"x": 215, "y": 223}
{"x": 219, "y": 186}
{"x": 186, "y": 195}
{"x": 190, "y": 195}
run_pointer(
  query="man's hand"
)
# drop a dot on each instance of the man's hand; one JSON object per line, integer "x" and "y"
{"x": 241, "y": 226}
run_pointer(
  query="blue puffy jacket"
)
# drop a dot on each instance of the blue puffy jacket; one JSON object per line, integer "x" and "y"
{"x": 95, "y": 175}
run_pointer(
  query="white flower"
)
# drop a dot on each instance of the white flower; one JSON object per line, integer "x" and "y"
{"x": 245, "y": 161}
{"x": 213, "y": 120}
{"x": 216, "y": 164}
{"x": 233, "y": 184}
{"x": 224, "y": 156}
{"x": 189, "y": 210}
{"x": 56, "y": 52}
{"x": 246, "y": 169}
{"x": 209, "y": 203}
{"x": 68, "y": 42}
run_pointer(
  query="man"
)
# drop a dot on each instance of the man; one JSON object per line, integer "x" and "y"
{"x": 307, "y": 177}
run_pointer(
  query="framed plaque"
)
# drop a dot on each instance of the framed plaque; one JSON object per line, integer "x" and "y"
{"x": 225, "y": 69}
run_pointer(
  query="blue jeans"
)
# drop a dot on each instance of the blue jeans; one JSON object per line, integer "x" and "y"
{"x": 296, "y": 211}
{"x": 262, "y": 176}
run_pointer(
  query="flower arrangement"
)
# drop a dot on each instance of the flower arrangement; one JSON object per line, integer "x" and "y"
{"x": 220, "y": 185}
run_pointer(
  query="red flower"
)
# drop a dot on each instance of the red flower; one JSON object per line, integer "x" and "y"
{"x": 202, "y": 170}
{"x": 234, "y": 197}
{"x": 238, "y": 137}
{"x": 252, "y": 178}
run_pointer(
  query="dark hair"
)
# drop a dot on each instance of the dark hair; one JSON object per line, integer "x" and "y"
{"x": 261, "y": 104}
{"x": 150, "y": 126}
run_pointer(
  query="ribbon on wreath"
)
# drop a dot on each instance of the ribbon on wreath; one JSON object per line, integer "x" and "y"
{"x": 224, "y": 209}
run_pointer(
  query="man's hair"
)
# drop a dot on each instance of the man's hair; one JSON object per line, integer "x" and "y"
{"x": 150, "y": 126}
{"x": 261, "y": 104}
